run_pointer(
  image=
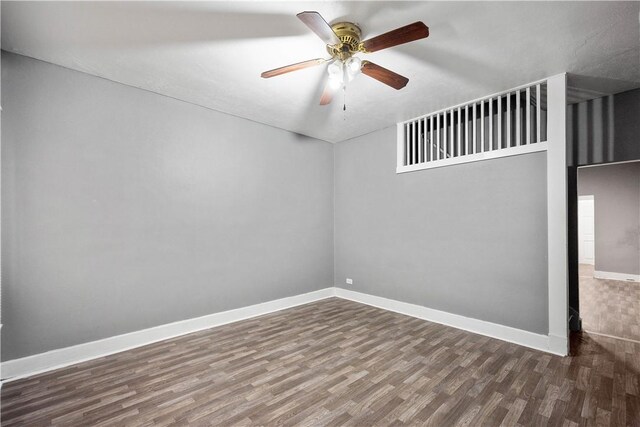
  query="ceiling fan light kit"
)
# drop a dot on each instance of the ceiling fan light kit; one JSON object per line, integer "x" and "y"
{"x": 343, "y": 41}
{"x": 341, "y": 72}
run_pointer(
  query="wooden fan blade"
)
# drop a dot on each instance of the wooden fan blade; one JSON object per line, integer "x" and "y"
{"x": 406, "y": 34}
{"x": 318, "y": 25}
{"x": 292, "y": 67}
{"x": 383, "y": 75}
{"x": 327, "y": 94}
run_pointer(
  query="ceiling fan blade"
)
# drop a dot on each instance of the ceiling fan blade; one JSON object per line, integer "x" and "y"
{"x": 406, "y": 34}
{"x": 327, "y": 94}
{"x": 383, "y": 75}
{"x": 318, "y": 25}
{"x": 292, "y": 67}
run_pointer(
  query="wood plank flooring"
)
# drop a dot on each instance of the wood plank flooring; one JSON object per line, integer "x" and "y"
{"x": 337, "y": 362}
{"x": 610, "y": 307}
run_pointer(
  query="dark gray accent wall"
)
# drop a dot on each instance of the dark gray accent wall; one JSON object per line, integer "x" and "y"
{"x": 604, "y": 130}
{"x": 468, "y": 239}
{"x": 616, "y": 191}
{"x": 123, "y": 209}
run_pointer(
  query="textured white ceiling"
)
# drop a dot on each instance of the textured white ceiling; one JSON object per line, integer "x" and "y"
{"x": 212, "y": 53}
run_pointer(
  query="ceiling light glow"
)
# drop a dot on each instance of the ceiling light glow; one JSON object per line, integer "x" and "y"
{"x": 353, "y": 65}
{"x": 335, "y": 69}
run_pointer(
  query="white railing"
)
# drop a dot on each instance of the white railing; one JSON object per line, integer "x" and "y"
{"x": 504, "y": 124}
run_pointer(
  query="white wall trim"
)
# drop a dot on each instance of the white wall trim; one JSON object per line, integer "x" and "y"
{"x": 550, "y": 344}
{"x": 582, "y": 259}
{"x": 487, "y": 155}
{"x": 557, "y": 345}
{"x": 474, "y": 101}
{"x": 557, "y": 227}
{"x": 595, "y": 165}
{"x": 608, "y": 275}
{"x": 59, "y": 358}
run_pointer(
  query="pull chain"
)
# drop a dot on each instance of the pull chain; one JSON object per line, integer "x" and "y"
{"x": 344, "y": 102}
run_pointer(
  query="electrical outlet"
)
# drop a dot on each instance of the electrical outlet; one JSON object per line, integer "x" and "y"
{"x": 349, "y": 281}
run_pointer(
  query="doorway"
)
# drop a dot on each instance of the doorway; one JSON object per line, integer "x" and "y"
{"x": 586, "y": 230}
{"x": 609, "y": 249}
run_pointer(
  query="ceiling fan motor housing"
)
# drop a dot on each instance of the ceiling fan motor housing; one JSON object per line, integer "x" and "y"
{"x": 349, "y": 35}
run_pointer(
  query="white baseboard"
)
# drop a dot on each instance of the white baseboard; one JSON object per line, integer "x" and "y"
{"x": 547, "y": 343}
{"x": 558, "y": 345}
{"x": 59, "y": 358}
{"x": 608, "y": 275}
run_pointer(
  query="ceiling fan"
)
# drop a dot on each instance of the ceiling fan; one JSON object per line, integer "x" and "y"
{"x": 343, "y": 42}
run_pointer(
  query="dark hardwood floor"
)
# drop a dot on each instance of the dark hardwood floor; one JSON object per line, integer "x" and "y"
{"x": 337, "y": 362}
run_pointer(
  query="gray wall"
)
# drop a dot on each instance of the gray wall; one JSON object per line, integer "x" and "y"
{"x": 616, "y": 191}
{"x": 468, "y": 239}
{"x": 123, "y": 209}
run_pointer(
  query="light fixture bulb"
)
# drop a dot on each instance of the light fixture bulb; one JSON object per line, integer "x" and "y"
{"x": 335, "y": 82}
{"x": 336, "y": 72}
{"x": 335, "y": 68}
{"x": 353, "y": 65}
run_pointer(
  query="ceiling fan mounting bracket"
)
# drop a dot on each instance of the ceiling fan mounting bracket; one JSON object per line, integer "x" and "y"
{"x": 349, "y": 35}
